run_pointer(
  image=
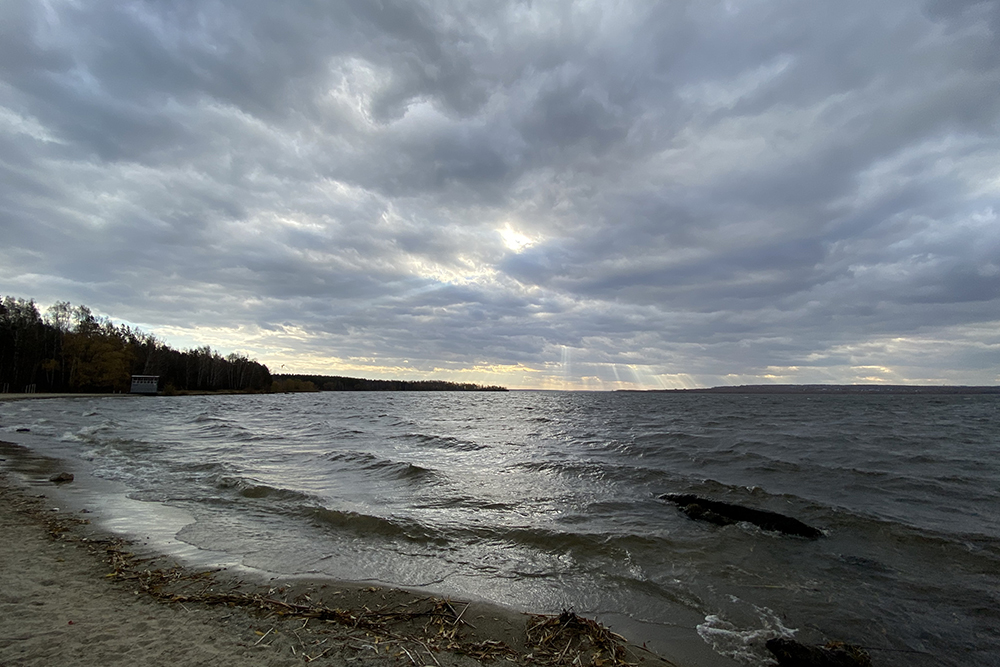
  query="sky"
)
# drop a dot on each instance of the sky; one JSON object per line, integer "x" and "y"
{"x": 556, "y": 195}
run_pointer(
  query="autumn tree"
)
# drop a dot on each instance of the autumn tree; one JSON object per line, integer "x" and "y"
{"x": 71, "y": 349}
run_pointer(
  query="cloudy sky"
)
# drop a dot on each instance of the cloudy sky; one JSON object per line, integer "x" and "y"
{"x": 540, "y": 194}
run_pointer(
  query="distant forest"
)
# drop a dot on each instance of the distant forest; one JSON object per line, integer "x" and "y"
{"x": 69, "y": 349}
{"x": 337, "y": 383}
{"x": 72, "y": 350}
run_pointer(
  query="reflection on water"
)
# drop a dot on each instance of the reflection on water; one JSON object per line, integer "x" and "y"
{"x": 549, "y": 500}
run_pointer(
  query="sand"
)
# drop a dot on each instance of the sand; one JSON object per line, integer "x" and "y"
{"x": 70, "y": 595}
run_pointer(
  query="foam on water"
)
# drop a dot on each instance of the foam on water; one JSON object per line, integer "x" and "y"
{"x": 547, "y": 501}
{"x": 745, "y": 645}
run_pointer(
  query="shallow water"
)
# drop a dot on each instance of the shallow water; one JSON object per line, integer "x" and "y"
{"x": 548, "y": 500}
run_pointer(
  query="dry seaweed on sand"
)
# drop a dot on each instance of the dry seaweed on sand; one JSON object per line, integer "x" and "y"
{"x": 574, "y": 640}
{"x": 412, "y": 627}
{"x": 311, "y": 622}
{"x": 418, "y": 627}
{"x": 427, "y": 624}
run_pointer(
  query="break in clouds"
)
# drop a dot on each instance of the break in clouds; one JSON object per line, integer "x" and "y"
{"x": 542, "y": 194}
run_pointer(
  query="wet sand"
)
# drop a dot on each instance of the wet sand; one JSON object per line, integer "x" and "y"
{"x": 70, "y": 595}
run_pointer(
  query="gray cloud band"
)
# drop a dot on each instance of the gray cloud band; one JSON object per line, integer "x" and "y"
{"x": 667, "y": 193}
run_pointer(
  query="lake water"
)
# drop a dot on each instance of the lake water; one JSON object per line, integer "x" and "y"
{"x": 546, "y": 501}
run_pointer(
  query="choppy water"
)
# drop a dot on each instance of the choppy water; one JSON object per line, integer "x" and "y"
{"x": 546, "y": 501}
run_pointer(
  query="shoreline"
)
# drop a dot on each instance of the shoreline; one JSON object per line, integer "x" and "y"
{"x": 40, "y": 396}
{"x": 44, "y": 395}
{"x": 75, "y": 595}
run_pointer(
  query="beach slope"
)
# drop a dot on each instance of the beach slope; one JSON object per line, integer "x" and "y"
{"x": 70, "y": 596}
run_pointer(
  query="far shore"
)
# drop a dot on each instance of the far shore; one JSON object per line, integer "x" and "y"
{"x": 811, "y": 389}
{"x": 21, "y": 397}
{"x": 829, "y": 389}
{"x": 40, "y": 395}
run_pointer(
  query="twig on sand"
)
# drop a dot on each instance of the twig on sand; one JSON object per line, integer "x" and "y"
{"x": 408, "y": 654}
{"x": 458, "y": 616}
{"x": 262, "y": 637}
{"x": 429, "y": 653}
{"x": 319, "y": 655}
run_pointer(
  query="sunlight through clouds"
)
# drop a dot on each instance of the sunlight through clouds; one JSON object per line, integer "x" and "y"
{"x": 515, "y": 240}
{"x": 664, "y": 195}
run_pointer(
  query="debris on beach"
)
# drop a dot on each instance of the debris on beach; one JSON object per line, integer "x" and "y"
{"x": 571, "y": 639}
{"x": 413, "y": 624}
{"x": 313, "y": 621}
{"x": 724, "y": 514}
{"x": 62, "y": 478}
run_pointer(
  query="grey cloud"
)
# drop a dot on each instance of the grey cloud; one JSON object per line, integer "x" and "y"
{"x": 701, "y": 189}
{"x": 569, "y": 114}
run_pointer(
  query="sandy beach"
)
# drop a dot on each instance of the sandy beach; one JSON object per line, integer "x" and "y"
{"x": 72, "y": 596}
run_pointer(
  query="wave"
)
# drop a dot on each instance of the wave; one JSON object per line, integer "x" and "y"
{"x": 442, "y": 442}
{"x": 635, "y": 476}
{"x": 251, "y": 488}
{"x": 368, "y": 526}
{"x": 465, "y": 503}
{"x": 744, "y": 644}
{"x": 568, "y": 490}
{"x": 207, "y": 418}
{"x": 385, "y": 468}
{"x": 599, "y": 547}
{"x": 216, "y": 427}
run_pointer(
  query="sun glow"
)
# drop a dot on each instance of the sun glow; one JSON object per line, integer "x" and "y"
{"x": 514, "y": 239}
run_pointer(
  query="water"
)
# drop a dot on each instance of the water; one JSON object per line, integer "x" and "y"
{"x": 547, "y": 500}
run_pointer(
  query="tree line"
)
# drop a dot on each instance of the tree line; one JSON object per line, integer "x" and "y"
{"x": 71, "y": 350}
{"x": 284, "y": 382}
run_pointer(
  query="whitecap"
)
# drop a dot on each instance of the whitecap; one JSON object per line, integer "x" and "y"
{"x": 745, "y": 645}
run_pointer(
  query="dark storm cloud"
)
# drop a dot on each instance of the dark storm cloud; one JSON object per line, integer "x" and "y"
{"x": 661, "y": 193}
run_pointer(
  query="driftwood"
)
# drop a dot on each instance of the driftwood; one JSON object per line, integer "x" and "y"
{"x": 724, "y": 514}
{"x": 790, "y": 653}
{"x": 574, "y": 640}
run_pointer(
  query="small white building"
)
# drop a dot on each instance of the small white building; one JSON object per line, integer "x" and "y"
{"x": 145, "y": 384}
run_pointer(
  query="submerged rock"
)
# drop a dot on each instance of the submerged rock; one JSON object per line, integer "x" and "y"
{"x": 790, "y": 653}
{"x": 62, "y": 478}
{"x": 724, "y": 514}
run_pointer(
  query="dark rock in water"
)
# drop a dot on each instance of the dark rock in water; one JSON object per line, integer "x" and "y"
{"x": 723, "y": 514}
{"x": 61, "y": 478}
{"x": 24, "y": 430}
{"x": 791, "y": 653}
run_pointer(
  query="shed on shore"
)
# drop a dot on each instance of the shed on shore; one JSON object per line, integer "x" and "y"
{"x": 145, "y": 384}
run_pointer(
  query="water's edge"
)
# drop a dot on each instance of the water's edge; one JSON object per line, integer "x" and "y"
{"x": 152, "y": 528}
{"x": 545, "y": 501}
